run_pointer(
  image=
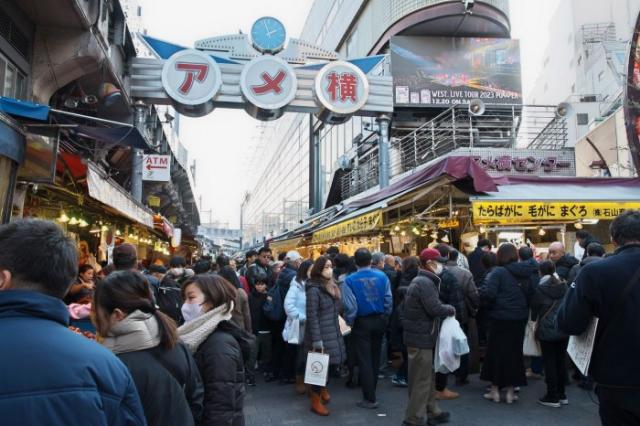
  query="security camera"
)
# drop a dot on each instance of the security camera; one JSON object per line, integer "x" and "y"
{"x": 468, "y": 4}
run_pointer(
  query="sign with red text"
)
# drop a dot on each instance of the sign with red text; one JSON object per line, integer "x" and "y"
{"x": 341, "y": 88}
{"x": 268, "y": 82}
{"x": 191, "y": 77}
{"x": 156, "y": 168}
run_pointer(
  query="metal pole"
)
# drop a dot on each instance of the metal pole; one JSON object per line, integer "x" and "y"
{"x": 136, "y": 154}
{"x": 383, "y": 150}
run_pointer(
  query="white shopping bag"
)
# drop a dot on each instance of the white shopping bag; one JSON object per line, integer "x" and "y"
{"x": 317, "y": 369}
{"x": 291, "y": 332}
{"x": 531, "y": 346}
{"x": 446, "y": 361}
{"x": 344, "y": 327}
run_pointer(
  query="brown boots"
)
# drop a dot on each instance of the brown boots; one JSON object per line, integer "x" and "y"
{"x": 324, "y": 394}
{"x": 317, "y": 406}
{"x": 301, "y": 388}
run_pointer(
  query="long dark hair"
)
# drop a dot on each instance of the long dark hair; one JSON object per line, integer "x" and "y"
{"x": 303, "y": 271}
{"x": 130, "y": 291}
{"x": 316, "y": 275}
{"x": 217, "y": 291}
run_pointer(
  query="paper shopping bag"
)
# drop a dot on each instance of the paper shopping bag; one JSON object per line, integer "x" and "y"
{"x": 531, "y": 346}
{"x": 317, "y": 368}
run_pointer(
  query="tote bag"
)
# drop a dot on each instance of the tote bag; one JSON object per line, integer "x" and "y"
{"x": 317, "y": 368}
{"x": 531, "y": 346}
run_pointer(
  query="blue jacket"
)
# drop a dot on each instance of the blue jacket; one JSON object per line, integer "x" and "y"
{"x": 509, "y": 290}
{"x": 51, "y": 375}
{"x": 371, "y": 290}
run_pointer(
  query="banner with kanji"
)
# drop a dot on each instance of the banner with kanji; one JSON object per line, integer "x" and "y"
{"x": 543, "y": 211}
{"x": 357, "y": 225}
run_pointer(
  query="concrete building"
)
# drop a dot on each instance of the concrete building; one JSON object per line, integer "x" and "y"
{"x": 585, "y": 60}
{"x": 296, "y": 175}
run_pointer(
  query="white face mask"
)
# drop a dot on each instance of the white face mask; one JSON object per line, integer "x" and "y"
{"x": 439, "y": 269}
{"x": 327, "y": 273}
{"x": 191, "y": 311}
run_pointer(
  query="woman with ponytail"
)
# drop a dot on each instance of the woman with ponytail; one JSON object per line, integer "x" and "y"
{"x": 146, "y": 341}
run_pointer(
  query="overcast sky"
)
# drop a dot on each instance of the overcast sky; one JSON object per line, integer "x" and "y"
{"x": 222, "y": 142}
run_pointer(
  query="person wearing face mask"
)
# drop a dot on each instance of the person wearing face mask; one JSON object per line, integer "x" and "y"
{"x": 219, "y": 347}
{"x": 423, "y": 313}
{"x": 146, "y": 341}
{"x": 372, "y": 292}
{"x": 322, "y": 328}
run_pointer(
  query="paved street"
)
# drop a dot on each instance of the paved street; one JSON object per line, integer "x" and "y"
{"x": 272, "y": 404}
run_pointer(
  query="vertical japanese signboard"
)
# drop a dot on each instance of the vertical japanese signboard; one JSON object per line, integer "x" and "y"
{"x": 445, "y": 71}
{"x": 156, "y": 168}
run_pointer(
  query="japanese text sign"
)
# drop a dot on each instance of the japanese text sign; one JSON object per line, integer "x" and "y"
{"x": 542, "y": 211}
{"x": 362, "y": 223}
{"x": 341, "y": 87}
{"x": 268, "y": 82}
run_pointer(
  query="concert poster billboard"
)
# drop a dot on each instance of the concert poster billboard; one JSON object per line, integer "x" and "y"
{"x": 446, "y": 71}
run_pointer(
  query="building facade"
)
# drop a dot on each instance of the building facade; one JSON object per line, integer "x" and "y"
{"x": 298, "y": 173}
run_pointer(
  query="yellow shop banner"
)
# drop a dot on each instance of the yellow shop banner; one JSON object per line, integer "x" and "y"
{"x": 357, "y": 225}
{"x": 542, "y": 211}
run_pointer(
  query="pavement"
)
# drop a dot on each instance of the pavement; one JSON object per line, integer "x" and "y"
{"x": 274, "y": 404}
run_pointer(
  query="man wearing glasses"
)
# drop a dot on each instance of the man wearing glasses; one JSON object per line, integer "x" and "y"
{"x": 260, "y": 269}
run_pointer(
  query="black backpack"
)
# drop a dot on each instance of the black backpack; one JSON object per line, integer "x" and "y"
{"x": 169, "y": 299}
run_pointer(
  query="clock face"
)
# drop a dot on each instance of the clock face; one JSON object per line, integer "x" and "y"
{"x": 268, "y": 35}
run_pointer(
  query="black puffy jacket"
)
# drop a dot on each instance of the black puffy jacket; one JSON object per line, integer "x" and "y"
{"x": 509, "y": 290}
{"x": 545, "y": 305}
{"x": 452, "y": 293}
{"x": 168, "y": 383}
{"x": 322, "y": 322}
{"x": 220, "y": 359}
{"x": 564, "y": 265}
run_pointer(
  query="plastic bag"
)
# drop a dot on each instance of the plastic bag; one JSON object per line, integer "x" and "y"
{"x": 446, "y": 360}
{"x": 530, "y": 345}
{"x": 291, "y": 331}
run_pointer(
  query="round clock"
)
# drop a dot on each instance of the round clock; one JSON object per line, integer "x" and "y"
{"x": 268, "y": 35}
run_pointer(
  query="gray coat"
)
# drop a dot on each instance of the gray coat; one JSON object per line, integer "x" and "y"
{"x": 322, "y": 327}
{"x": 423, "y": 311}
{"x": 471, "y": 295}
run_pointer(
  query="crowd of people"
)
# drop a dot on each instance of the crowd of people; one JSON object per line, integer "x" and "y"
{"x": 181, "y": 345}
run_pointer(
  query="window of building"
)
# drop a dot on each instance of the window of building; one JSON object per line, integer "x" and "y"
{"x": 139, "y": 12}
{"x": 600, "y": 75}
{"x": 352, "y": 44}
{"x": 583, "y": 119}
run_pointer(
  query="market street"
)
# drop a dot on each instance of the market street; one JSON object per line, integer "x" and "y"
{"x": 264, "y": 407}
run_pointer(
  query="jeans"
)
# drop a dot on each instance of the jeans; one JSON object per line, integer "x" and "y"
{"x": 555, "y": 367}
{"x": 367, "y": 335}
{"x": 619, "y": 407}
{"x": 261, "y": 350}
{"x": 422, "y": 392}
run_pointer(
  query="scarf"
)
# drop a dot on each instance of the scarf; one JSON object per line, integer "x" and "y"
{"x": 194, "y": 332}
{"x": 136, "y": 332}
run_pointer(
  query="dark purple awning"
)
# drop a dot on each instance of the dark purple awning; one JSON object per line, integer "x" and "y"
{"x": 454, "y": 168}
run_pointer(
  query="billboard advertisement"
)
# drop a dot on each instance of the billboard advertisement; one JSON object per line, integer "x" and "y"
{"x": 445, "y": 71}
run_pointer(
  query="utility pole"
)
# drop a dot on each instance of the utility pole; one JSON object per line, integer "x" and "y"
{"x": 136, "y": 154}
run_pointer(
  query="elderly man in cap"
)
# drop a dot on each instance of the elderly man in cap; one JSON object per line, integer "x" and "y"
{"x": 422, "y": 313}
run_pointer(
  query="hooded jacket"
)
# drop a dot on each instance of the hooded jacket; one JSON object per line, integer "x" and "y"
{"x": 545, "y": 305}
{"x": 564, "y": 265}
{"x": 422, "y": 311}
{"x": 471, "y": 297}
{"x": 322, "y": 325}
{"x": 167, "y": 381}
{"x": 508, "y": 291}
{"x": 595, "y": 293}
{"x": 71, "y": 381}
{"x": 451, "y": 293}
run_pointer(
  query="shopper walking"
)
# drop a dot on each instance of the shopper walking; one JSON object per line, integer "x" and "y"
{"x": 146, "y": 340}
{"x": 219, "y": 347}
{"x": 322, "y": 329}
{"x": 544, "y": 308}
{"x": 610, "y": 289}
{"x": 84, "y": 381}
{"x": 295, "y": 306}
{"x": 509, "y": 289}
{"x": 423, "y": 312}
{"x": 372, "y": 292}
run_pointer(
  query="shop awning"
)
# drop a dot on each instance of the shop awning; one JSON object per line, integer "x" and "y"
{"x": 557, "y": 200}
{"x": 285, "y": 245}
{"x": 109, "y": 132}
{"x": 109, "y": 193}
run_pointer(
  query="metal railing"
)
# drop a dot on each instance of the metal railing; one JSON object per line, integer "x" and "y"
{"x": 506, "y": 126}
